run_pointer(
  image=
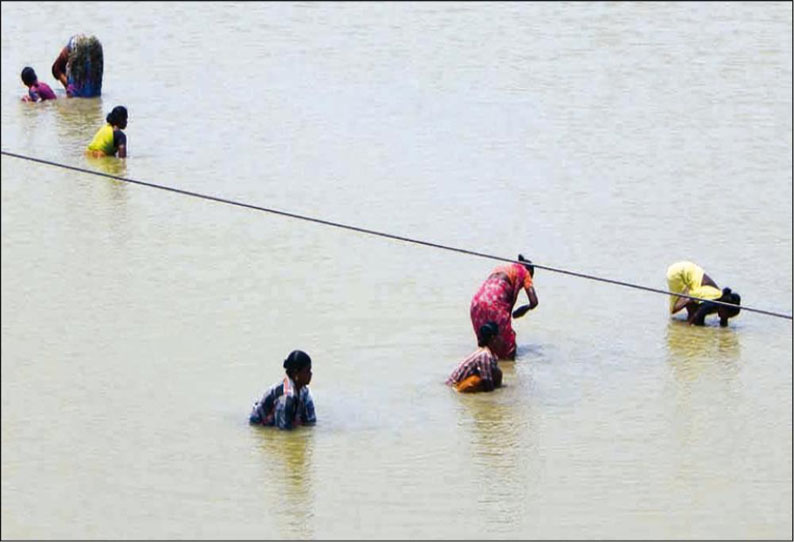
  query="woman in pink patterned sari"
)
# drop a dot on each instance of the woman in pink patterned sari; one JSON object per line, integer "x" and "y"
{"x": 495, "y": 299}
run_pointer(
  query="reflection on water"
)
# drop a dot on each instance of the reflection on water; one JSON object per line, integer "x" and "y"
{"x": 705, "y": 413}
{"x": 34, "y": 117}
{"x": 693, "y": 349}
{"x": 287, "y": 458}
{"x": 31, "y": 110}
{"x": 77, "y": 121}
{"x": 502, "y": 434}
{"x": 527, "y": 352}
{"x": 108, "y": 164}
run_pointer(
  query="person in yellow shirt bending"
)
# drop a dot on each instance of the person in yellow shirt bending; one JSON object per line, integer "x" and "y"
{"x": 110, "y": 140}
{"x": 689, "y": 279}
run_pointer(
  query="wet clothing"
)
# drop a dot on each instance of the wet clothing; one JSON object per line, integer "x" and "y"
{"x": 40, "y": 92}
{"x": 687, "y": 275}
{"x": 494, "y": 302}
{"x": 107, "y": 140}
{"x": 480, "y": 364}
{"x": 283, "y": 407}
{"x": 83, "y": 63}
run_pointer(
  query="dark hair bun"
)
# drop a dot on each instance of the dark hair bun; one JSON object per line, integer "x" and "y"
{"x": 297, "y": 360}
{"x": 527, "y": 264}
{"x": 118, "y": 116}
{"x": 487, "y": 332}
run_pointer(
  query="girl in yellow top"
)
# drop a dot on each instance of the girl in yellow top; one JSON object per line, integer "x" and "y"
{"x": 689, "y": 279}
{"x": 110, "y": 139}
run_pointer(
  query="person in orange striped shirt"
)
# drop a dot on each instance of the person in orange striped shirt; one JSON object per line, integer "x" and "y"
{"x": 479, "y": 371}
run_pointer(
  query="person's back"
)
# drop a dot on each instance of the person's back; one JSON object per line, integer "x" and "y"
{"x": 103, "y": 142}
{"x": 494, "y": 302}
{"x": 44, "y": 91}
{"x": 79, "y": 66}
{"x": 480, "y": 370}
{"x": 110, "y": 138}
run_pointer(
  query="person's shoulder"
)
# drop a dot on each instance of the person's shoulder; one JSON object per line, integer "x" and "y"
{"x": 471, "y": 357}
{"x": 479, "y": 356}
{"x": 275, "y": 389}
{"x": 501, "y": 268}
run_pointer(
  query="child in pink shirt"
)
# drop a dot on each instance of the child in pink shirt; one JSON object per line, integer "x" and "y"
{"x": 37, "y": 92}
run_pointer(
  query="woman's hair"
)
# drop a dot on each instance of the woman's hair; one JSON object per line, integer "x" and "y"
{"x": 297, "y": 360}
{"x": 28, "y": 76}
{"x": 707, "y": 307}
{"x": 528, "y": 265}
{"x": 86, "y": 61}
{"x": 118, "y": 116}
{"x": 729, "y": 312}
{"x": 488, "y": 331}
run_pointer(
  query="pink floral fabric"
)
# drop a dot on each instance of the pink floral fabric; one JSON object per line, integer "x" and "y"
{"x": 494, "y": 302}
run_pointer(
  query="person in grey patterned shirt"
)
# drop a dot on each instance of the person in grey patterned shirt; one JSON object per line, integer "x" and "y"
{"x": 288, "y": 403}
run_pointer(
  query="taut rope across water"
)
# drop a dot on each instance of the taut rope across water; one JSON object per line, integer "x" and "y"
{"x": 383, "y": 234}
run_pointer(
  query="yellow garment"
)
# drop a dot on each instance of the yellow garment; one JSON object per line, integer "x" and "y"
{"x": 688, "y": 276}
{"x": 469, "y": 385}
{"x": 103, "y": 141}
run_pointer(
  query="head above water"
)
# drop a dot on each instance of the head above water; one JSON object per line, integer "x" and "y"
{"x": 29, "y": 76}
{"x": 118, "y": 117}
{"x": 728, "y": 312}
{"x": 528, "y": 264}
{"x": 488, "y": 331}
{"x": 298, "y": 366}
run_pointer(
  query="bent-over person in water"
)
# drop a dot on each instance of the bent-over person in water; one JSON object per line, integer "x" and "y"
{"x": 690, "y": 279}
{"x": 79, "y": 66}
{"x": 479, "y": 371}
{"x": 494, "y": 302}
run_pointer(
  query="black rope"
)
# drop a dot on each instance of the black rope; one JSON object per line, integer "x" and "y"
{"x": 387, "y": 235}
